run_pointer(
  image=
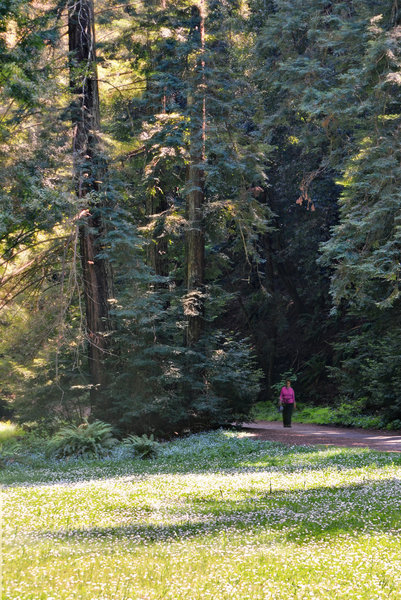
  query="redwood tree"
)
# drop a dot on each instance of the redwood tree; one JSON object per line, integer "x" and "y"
{"x": 196, "y": 184}
{"x": 89, "y": 171}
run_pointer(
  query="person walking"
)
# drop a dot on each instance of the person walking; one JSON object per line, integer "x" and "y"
{"x": 287, "y": 401}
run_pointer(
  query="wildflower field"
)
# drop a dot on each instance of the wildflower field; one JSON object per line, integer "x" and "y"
{"x": 215, "y": 515}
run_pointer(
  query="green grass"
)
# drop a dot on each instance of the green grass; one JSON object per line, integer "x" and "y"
{"x": 215, "y": 516}
{"x": 267, "y": 411}
{"x": 345, "y": 416}
{"x": 9, "y": 430}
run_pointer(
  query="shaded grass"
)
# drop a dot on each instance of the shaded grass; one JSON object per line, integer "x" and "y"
{"x": 208, "y": 454}
{"x": 264, "y": 509}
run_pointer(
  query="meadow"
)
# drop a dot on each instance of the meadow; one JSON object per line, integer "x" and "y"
{"x": 214, "y": 516}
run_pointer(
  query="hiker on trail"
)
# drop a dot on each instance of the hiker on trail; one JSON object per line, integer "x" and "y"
{"x": 287, "y": 401}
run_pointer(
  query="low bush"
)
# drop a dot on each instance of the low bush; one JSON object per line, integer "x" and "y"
{"x": 87, "y": 440}
{"x": 10, "y": 451}
{"x": 354, "y": 414}
{"x": 9, "y": 430}
{"x": 318, "y": 415}
{"x": 142, "y": 446}
{"x": 343, "y": 415}
{"x": 268, "y": 411}
{"x": 265, "y": 411}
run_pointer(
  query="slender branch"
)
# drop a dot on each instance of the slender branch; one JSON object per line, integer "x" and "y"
{"x": 39, "y": 243}
{"x": 11, "y": 297}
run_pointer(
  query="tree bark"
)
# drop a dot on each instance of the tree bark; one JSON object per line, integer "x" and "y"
{"x": 89, "y": 171}
{"x": 157, "y": 205}
{"x": 157, "y": 250}
{"x": 196, "y": 187}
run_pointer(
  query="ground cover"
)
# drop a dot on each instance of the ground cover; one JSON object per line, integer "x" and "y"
{"x": 215, "y": 516}
{"x": 344, "y": 415}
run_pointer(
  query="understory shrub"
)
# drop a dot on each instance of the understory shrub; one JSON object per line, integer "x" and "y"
{"x": 9, "y": 430}
{"x": 346, "y": 414}
{"x": 370, "y": 372}
{"x": 142, "y": 446}
{"x": 86, "y": 440}
{"x": 318, "y": 415}
{"x": 10, "y": 450}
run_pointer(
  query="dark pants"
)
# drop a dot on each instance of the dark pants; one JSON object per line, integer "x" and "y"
{"x": 287, "y": 414}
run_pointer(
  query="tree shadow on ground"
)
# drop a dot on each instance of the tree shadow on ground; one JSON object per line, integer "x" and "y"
{"x": 297, "y": 516}
{"x": 277, "y": 457}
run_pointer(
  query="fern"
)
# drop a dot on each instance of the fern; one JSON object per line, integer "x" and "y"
{"x": 10, "y": 450}
{"x": 85, "y": 440}
{"x": 143, "y": 446}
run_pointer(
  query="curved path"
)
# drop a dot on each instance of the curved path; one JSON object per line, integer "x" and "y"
{"x": 303, "y": 434}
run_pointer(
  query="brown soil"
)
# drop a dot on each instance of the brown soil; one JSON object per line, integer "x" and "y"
{"x": 302, "y": 434}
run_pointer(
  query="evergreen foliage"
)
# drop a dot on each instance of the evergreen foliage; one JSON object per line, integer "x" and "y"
{"x": 142, "y": 446}
{"x": 87, "y": 440}
{"x": 238, "y": 186}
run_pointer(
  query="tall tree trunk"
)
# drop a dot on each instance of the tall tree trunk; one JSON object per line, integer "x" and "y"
{"x": 89, "y": 170}
{"x": 157, "y": 205}
{"x": 157, "y": 252}
{"x": 196, "y": 185}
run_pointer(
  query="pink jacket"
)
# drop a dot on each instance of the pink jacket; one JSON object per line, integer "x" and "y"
{"x": 287, "y": 395}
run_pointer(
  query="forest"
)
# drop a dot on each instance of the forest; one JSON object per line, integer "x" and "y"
{"x": 199, "y": 199}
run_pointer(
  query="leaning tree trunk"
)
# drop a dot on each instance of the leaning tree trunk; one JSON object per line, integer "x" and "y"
{"x": 89, "y": 170}
{"x": 194, "y": 304}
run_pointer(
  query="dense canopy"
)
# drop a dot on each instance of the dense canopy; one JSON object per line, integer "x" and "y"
{"x": 199, "y": 198}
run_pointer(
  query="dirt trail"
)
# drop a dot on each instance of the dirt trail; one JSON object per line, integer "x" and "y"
{"x": 302, "y": 434}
